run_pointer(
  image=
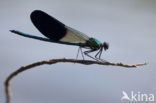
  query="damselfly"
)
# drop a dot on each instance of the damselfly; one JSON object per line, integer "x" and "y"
{"x": 57, "y": 32}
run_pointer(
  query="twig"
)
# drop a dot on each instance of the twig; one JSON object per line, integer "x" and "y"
{"x": 53, "y": 61}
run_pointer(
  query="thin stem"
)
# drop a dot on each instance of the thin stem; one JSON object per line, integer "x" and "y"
{"x": 53, "y": 61}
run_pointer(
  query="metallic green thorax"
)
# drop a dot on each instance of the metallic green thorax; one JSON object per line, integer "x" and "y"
{"x": 94, "y": 43}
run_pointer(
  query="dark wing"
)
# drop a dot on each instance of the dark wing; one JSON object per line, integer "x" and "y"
{"x": 54, "y": 29}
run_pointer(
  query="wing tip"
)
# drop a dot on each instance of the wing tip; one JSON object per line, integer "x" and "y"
{"x": 35, "y": 13}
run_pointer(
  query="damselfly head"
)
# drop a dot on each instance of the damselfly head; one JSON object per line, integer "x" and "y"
{"x": 105, "y": 45}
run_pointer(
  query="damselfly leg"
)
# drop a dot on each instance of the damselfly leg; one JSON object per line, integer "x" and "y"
{"x": 89, "y": 51}
{"x": 80, "y": 50}
{"x": 99, "y": 54}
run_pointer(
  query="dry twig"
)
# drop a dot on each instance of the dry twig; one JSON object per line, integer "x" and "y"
{"x": 53, "y": 61}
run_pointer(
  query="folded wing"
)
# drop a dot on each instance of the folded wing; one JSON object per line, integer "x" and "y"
{"x": 55, "y": 30}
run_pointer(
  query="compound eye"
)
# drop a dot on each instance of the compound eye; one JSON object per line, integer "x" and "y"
{"x": 105, "y": 45}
